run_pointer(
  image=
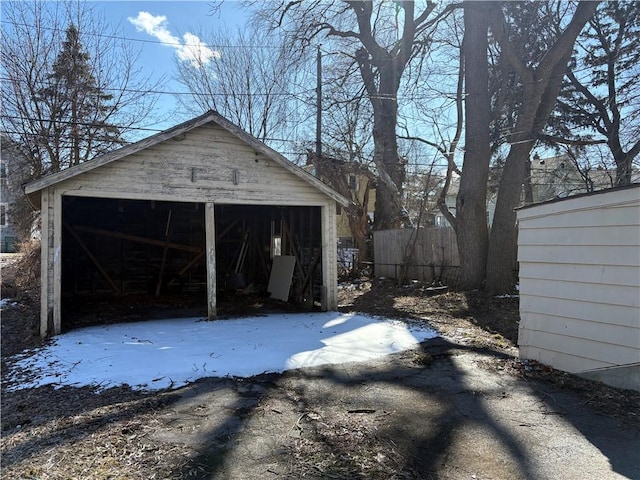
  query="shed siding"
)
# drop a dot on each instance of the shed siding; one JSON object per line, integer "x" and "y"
{"x": 594, "y": 312}
{"x": 588, "y": 293}
{"x": 208, "y": 165}
{"x": 624, "y": 275}
{"x": 580, "y": 282}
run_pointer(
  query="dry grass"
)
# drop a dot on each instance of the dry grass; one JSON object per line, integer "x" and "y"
{"x": 347, "y": 446}
{"x": 105, "y": 442}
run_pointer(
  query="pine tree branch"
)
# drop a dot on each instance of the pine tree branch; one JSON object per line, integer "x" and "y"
{"x": 567, "y": 141}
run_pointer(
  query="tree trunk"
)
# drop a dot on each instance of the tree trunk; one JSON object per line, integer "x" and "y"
{"x": 541, "y": 86}
{"x": 501, "y": 266}
{"x": 471, "y": 203}
{"x": 359, "y": 226}
{"x": 391, "y": 171}
{"x": 624, "y": 161}
{"x": 623, "y": 172}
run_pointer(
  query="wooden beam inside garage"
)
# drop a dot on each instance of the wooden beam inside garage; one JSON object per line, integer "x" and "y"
{"x": 137, "y": 239}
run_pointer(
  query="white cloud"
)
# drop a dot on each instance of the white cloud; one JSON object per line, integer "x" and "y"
{"x": 190, "y": 49}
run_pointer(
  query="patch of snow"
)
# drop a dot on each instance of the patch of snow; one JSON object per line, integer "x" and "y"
{"x": 6, "y": 302}
{"x": 160, "y": 354}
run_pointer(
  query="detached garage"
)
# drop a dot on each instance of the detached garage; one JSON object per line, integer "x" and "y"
{"x": 200, "y": 212}
{"x": 580, "y": 285}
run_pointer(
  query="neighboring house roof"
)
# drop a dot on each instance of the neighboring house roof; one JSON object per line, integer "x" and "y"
{"x": 34, "y": 187}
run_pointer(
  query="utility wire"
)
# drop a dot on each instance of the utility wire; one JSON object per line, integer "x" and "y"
{"x": 219, "y": 46}
{"x": 131, "y": 39}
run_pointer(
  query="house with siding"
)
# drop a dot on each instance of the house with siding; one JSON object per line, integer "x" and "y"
{"x": 547, "y": 178}
{"x": 560, "y": 177}
{"x": 450, "y": 200}
{"x": 351, "y": 179}
{"x": 11, "y": 159}
{"x": 580, "y": 285}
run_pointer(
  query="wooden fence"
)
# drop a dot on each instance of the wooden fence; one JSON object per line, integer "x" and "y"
{"x": 433, "y": 258}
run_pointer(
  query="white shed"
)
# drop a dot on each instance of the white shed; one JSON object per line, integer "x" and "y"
{"x": 200, "y": 210}
{"x": 580, "y": 285}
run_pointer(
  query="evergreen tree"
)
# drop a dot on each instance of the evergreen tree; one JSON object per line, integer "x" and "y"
{"x": 600, "y": 101}
{"x": 78, "y": 109}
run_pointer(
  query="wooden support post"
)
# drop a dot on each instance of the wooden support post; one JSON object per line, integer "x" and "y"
{"x": 46, "y": 327}
{"x": 210, "y": 232}
{"x": 329, "y": 258}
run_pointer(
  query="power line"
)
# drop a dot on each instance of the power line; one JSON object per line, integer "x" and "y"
{"x": 68, "y": 122}
{"x": 140, "y": 40}
{"x": 127, "y": 128}
{"x": 219, "y": 46}
{"x": 176, "y": 93}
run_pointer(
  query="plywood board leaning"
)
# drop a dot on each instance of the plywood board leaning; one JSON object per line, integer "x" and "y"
{"x": 281, "y": 276}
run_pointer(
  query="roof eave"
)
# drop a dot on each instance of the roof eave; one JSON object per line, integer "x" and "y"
{"x": 35, "y": 186}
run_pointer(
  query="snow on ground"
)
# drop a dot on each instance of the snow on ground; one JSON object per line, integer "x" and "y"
{"x": 159, "y": 354}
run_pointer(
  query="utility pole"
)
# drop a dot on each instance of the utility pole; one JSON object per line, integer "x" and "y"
{"x": 319, "y": 105}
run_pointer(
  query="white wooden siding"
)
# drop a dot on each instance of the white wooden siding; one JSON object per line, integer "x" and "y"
{"x": 46, "y": 270}
{"x": 580, "y": 281}
{"x": 202, "y": 167}
{"x": 330, "y": 258}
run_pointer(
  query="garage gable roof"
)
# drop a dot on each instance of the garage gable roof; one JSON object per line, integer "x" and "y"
{"x": 208, "y": 117}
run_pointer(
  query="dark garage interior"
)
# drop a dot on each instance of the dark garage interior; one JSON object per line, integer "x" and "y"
{"x": 130, "y": 260}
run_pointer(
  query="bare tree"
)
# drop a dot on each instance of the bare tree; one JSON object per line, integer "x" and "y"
{"x": 33, "y": 36}
{"x": 381, "y": 38}
{"x": 473, "y": 112}
{"x": 250, "y": 82}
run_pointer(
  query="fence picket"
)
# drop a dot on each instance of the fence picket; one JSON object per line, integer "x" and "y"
{"x": 434, "y": 257}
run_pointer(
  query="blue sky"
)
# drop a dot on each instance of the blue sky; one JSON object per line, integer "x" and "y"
{"x": 166, "y": 31}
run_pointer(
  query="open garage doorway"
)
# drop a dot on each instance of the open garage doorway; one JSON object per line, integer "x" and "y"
{"x": 131, "y": 260}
